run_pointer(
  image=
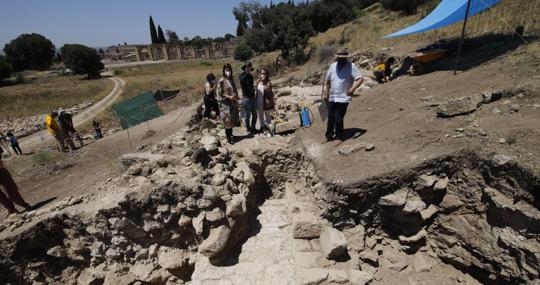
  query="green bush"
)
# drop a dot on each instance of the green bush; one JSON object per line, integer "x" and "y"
{"x": 407, "y": 6}
{"x": 5, "y": 68}
{"x": 243, "y": 52}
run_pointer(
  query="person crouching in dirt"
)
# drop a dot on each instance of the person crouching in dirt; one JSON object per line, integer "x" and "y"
{"x": 14, "y": 143}
{"x": 265, "y": 102}
{"x": 227, "y": 96}
{"x": 383, "y": 71}
{"x": 210, "y": 101}
{"x": 66, "y": 123}
{"x": 342, "y": 79}
{"x": 97, "y": 129}
{"x": 9, "y": 192}
{"x": 56, "y": 131}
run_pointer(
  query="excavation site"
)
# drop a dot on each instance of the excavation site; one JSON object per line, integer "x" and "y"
{"x": 189, "y": 210}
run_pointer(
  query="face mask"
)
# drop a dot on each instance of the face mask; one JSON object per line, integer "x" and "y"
{"x": 228, "y": 73}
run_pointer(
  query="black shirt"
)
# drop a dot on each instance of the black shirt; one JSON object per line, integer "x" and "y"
{"x": 246, "y": 81}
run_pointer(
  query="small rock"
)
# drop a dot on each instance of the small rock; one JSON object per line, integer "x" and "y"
{"x": 501, "y": 160}
{"x": 163, "y": 209}
{"x": 421, "y": 235}
{"x": 514, "y": 108}
{"x": 333, "y": 243}
{"x": 172, "y": 258}
{"x": 146, "y": 171}
{"x": 395, "y": 261}
{"x": 198, "y": 223}
{"x": 336, "y": 276}
{"x": 236, "y": 206}
{"x": 429, "y": 212}
{"x": 305, "y": 227}
{"x": 358, "y": 277}
{"x": 414, "y": 204}
{"x": 396, "y": 199}
{"x": 201, "y": 156}
{"x": 496, "y": 111}
{"x": 312, "y": 276}
{"x": 460, "y": 130}
{"x": 425, "y": 181}
{"x": 142, "y": 271}
{"x": 216, "y": 241}
{"x": 215, "y": 215}
{"x": 502, "y": 140}
{"x": 442, "y": 184}
{"x": 184, "y": 221}
{"x": 369, "y": 256}
{"x": 57, "y": 251}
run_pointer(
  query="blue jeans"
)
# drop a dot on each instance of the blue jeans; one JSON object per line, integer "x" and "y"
{"x": 336, "y": 115}
{"x": 250, "y": 112}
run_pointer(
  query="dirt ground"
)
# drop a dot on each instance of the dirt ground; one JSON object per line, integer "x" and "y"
{"x": 91, "y": 164}
{"x": 400, "y": 119}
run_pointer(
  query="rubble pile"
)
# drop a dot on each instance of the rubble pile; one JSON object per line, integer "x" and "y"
{"x": 479, "y": 215}
{"x": 188, "y": 196}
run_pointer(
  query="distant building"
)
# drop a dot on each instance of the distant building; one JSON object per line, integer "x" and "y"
{"x": 156, "y": 52}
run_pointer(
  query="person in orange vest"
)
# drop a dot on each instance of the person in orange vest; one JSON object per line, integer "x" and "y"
{"x": 56, "y": 131}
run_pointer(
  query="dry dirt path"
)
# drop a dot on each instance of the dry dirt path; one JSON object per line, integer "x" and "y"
{"x": 34, "y": 140}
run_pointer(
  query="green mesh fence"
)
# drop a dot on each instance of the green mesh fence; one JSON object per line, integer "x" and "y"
{"x": 137, "y": 110}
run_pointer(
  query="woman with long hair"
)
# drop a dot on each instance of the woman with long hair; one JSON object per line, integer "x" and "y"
{"x": 265, "y": 101}
{"x": 227, "y": 96}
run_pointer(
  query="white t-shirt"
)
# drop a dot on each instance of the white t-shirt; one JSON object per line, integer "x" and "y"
{"x": 341, "y": 81}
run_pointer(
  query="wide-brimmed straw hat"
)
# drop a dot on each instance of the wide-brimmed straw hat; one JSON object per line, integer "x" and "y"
{"x": 343, "y": 53}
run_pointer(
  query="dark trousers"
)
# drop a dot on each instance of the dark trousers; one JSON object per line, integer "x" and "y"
{"x": 250, "y": 113}
{"x": 16, "y": 149}
{"x": 229, "y": 133}
{"x": 12, "y": 191}
{"x": 210, "y": 104}
{"x": 336, "y": 115}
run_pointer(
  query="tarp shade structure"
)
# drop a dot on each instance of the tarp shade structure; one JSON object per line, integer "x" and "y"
{"x": 448, "y": 12}
{"x": 137, "y": 110}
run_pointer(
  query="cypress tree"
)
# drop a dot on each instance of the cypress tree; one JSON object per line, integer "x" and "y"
{"x": 153, "y": 33}
{"x": 161, "y": 36}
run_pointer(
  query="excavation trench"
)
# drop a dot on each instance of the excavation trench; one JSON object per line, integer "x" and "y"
{"x": 174, "y": 211}
{"x": 479, "y": 215}
{"x": 470, "y": 216}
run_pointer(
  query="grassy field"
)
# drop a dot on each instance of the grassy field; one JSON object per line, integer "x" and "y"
{"x": 188, "y": 77}
{"x": 41, "y": 94}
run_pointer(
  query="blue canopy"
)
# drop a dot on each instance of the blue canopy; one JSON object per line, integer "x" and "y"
{"x": 448, "y": 12}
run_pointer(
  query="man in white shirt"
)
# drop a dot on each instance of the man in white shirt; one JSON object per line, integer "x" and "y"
{"x": 342, "y": 79}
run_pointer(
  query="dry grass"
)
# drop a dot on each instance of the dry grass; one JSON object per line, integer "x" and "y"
{"x": 44, "y": 93}
{"x": 367, "y": 31}
{"x": 188, "y": 77}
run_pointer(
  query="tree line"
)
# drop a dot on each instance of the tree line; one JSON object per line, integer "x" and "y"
{"x": 158, "y": 37}
{"x": 287, "y": 26}
{"x": 36, "y": 52}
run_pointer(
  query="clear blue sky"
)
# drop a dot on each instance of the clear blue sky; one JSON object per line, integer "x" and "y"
{"x": 100, "y": 23}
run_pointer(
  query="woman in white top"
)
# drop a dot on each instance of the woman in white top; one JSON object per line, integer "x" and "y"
{"x": 265, "y": 101}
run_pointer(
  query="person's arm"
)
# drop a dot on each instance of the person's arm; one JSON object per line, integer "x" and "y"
{"x": 326, "y": 86}
{"x": 358, "y": 80}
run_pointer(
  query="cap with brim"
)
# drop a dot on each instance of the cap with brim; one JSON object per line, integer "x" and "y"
{"x": 344, "y": 53}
